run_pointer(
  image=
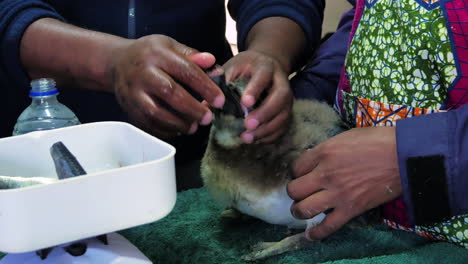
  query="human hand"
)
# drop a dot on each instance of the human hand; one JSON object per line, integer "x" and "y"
{"x": 147, "y": 77}
{"x": 350, "y": 173}
{"x": 267, "y": 122}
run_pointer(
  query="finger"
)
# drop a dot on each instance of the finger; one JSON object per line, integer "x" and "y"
{"x": 204, "y": 60}
{"x": 272, "y": 137}
{"x": 143, "y": 112}
{"x": 205, "y": 103}
{"x": 183, "y": 49}
{"x": 313, "y": 205}
{"x": 188, "y": 73}
{"x": 303, "y": 187}
{"x": 159, "y": 118}
{"x": 332, "y": 223}
{"x": 273, "y": 129}
{"x": 142, "y": 121}
{"x": 234, "y": 72}
{"x": 216, "y": 71}
{"x": 306, "y": 162}
{"x": 278, "y": 98}
{"x": 169, "y": 91}
{"x": 261, "y": 80}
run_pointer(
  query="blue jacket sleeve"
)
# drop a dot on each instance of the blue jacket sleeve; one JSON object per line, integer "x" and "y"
{"x": 319, "y": 79}
{"x": 306, "y": 13}
{"x": 15, "y": 17}
{"x": 433, "y": 159}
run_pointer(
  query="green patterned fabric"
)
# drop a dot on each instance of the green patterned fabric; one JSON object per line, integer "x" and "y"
{"x": 409, "y": 50}
{"x": 401, "y": 55}
{"x": 454, "y": 230}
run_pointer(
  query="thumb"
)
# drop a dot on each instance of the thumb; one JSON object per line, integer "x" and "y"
{"x": 204, "y": 60}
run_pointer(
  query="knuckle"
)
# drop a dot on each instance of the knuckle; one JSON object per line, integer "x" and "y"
{"x": 326, "y": 150}
{"x": 166, "y": 89}
{"x": 144, "y": 54}
{"x": 151, "y": 40}
{"x": 152, "y": 111}
{"x": 324, "y": 177}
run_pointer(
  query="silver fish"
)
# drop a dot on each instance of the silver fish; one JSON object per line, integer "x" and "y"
{"x": 66, "y": 166}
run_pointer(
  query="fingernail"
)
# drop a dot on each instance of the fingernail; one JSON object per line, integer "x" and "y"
{"x": 218, "y": 70}
{"x": 218, "y": 101}
{"x": 248, "y": 100}
{"x": 193, "y": 128}
{"x": 294, "y": 212}
{"x": 207, "y": 118}
{"x": 204, "y": 54}
{"x": 251, "y": 124}
{"x": 247, "y": 138}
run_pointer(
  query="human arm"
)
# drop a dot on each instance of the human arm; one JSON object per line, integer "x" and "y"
{"x": 424, "y": 158}
{"x": 15, "y": 17}
{"x": 319, "y": 79}
{"x": 350, "y": 173}
{"x": 433, "y": 160}
{"x": 141, "y": 73}
{"x": 273, "y": 37}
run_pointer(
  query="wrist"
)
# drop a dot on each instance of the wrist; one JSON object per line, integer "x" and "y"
{"x": 107, "y": 56}
{"x": 280, "y": 38}
{"x": 283, "y": 61}
{"x": 73, "y": 56}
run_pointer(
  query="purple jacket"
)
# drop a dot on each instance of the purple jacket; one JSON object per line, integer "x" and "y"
{"x": 432, "y": 148}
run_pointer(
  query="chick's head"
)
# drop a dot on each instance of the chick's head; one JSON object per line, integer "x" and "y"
{"x": 228, "y": 122}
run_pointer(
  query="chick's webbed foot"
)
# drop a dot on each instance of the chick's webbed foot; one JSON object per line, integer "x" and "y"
{"x": 267, "y": 249}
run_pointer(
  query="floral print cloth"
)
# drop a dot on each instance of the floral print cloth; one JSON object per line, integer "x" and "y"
{"x": 407, "y": 58}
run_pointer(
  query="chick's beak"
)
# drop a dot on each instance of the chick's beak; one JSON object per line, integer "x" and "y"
{"x": 232, "y": 105}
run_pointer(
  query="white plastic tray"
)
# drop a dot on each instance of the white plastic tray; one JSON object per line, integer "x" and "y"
{"x": 130, "y": 182}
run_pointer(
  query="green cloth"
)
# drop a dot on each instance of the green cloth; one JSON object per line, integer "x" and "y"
{"x": 194, "y": 233}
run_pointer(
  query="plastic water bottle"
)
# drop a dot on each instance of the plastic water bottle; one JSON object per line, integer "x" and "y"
{"x": 45, "y": 111}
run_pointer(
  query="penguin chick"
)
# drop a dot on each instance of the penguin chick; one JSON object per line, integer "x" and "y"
{"x": 252, "y": 178}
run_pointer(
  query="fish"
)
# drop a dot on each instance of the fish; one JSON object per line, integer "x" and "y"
{"x": 66, "y": 166}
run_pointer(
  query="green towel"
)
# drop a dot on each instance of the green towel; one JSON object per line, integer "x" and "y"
{"x": 194, "y": 233}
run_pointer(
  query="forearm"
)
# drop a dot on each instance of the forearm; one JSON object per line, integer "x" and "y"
{"x": 291, "y": 25}
{"x": 280, "y": 38}
{"x": 71, "y": 55}
{"x": 319, "y": 79}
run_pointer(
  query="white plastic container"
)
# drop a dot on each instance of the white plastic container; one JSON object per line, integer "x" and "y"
{"x": 130, "y": 181}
